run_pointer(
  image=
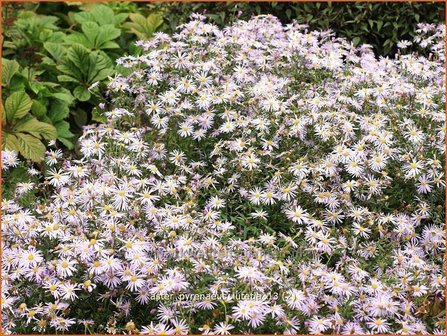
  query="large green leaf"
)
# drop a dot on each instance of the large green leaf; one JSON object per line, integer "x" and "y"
{"x": 91, "y": 30}
{"x": 37, "y": 87}
{"x": 30, "y": 147}
{"x": 9, "y": 69}
{"x": 37, "y": 129}
{"x": 70, "y": 70}
{"x": 100, "y": 14}
{"x": 144, "y": 27}
{"x": 94, "y": 36}
{"x": 85, "y": 68}
{"x": 17, "y": 105}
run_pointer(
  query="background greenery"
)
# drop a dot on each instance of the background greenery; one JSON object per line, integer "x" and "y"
{"x": 381, "y": 25}
{"x": 57, "y": 57}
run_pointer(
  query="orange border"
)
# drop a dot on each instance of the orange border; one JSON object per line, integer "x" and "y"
{"x": 149, "y": 1}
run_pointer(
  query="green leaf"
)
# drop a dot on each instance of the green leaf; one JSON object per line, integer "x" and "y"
{"x": 17, "y": 105}
{"x": 110, "y": 45}
{"x": 121, "y": 17}
{"x": 37, "y": 128}
{"x": 143, "y": 27}
{"x": 31, "y": 73}
{"x": 63, "y": 134}
{"x": 38, "y": 109}
{"x": 71, "y": 70}
{"x": 30, "y": 147}
{"x": 100, "y": 67}
{"x": 81, "y": 93}
{"x": 101, "y": 14}
{"x": 80, "y": 117}
{"x": 37, "y": 87}
{"x": 65, "y": 78}
{"x": 66, "y": 97}
{"x": 59, "y": 111}
{"x": 154, "y": 21}
{"x": 90, "y": 30}
{"x": 100, "y": 75}
{"x": 105, "y": 34}
{"x": 79, "y": 38}
{"x": 78, "y": 55}
{"x": 11, "y": 142}
{"x": 67, "y": 143}
{"x": 356, "y": 41}
{"x": 9, "y": 69}
{"x": 95, "y": 36}
{"x": 48, "y": 61}
{"x": 17, "y": 83}
{"x": 56, "y": 50}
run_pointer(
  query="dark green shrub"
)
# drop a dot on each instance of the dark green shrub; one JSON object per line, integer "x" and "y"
{"x": 381, "y": 25}
{"x": 57, "y": 59}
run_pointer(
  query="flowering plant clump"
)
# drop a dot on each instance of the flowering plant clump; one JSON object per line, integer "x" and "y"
{"x": 255, "y": 179}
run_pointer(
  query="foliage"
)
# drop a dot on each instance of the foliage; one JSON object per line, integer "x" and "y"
{"x": 143, "y": 27}
{"x": 65, "y": 61}
{"x": 21, "y": 131}
{"x": 26, "y": 121}
{"x": 381, "y": 25}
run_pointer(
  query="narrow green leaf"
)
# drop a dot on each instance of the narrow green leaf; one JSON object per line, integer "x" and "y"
{"x": 66, "y": 78}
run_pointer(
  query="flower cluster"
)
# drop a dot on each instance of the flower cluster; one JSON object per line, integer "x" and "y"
{"x": 261, "y": 160}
